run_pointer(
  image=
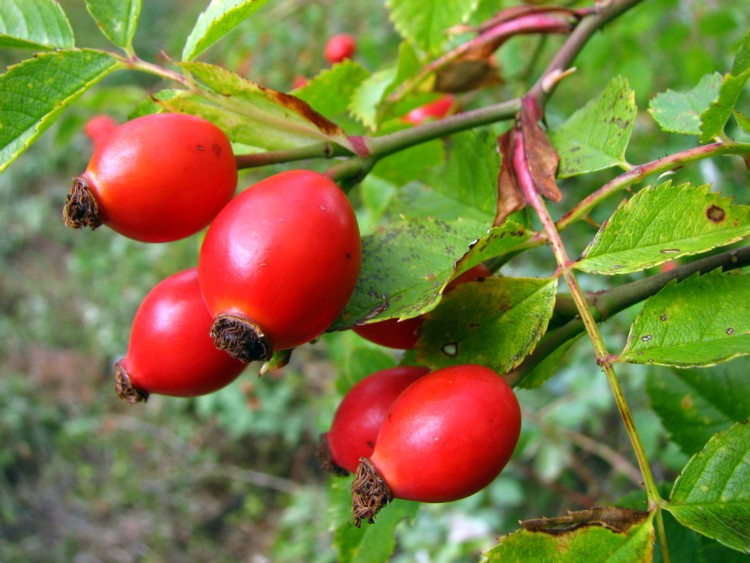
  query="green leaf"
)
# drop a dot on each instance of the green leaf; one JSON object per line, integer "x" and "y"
{"x": 695, "y": 404}
{"x": 366, "y": 101}
{"x": 663, "y": 223}
{"x": 495, "y": 323}
{"x": 56, "y": 79}
{"x": 425, "y": 23}
{"x": 371, "y": 542}
{"x": 253, "y": 114}
{"x": 743, "y": 121}
{"x": 221, "y": 17}
{"x": 117, "y": 19}
{"x": 548, "y": 367}
{"x": 699, "y": 322}
{"x": 596, "y": 136}
{"x": 343, "y": 78}
{"x": 470, "y": 173}
{"x": 593, "y": 542}
{"x": 418, "y": 200}
{"x": 715, "y": 117}
{"x": 407, "y": 264}
{"x": 679, "y": 112}
{"x": 712, "y": 496}
{"x": 34, "y": 24}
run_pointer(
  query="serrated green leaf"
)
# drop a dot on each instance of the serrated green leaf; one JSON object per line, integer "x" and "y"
{"x": 35, "y": 92}
{"x": 712, "y": 496}
{"x": 366, "y": 101}
{"x": 701, "y": 321}
{"x": 679, "y": 112}
{"x": 495, "y": 323}
{"x": 252, "y": 114}
{"x": 695, "y": 404}
{"x": 407, "y": 264}
{"x": 371, "y": 542}
{"x": 715, "y": 117}
{"x": 418, "y": 200}
{"x": 117, "y": 19}
{"x": 587, "y": 543}
{"x": 426, "y": 22}
{"x": 596, "y": 136}
{"x": 221, "y": 17}
{"x": 663, "y": 223}
{"x": 743, "y": 121}
{"x": 34, "y": 24}
{"x": 343, "y": 78}
{"x": 548, "y": 367}
{"x": 470, "y": 173}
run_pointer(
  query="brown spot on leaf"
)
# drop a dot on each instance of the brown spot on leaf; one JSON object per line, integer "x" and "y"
{"x": 716, "y": 214}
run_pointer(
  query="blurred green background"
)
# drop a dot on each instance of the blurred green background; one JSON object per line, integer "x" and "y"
{"x": 233, "y": 476}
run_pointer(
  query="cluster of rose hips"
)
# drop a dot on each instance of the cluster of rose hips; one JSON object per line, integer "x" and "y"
{"x": 278, "y": 263}
{"x": 263, "y": 284}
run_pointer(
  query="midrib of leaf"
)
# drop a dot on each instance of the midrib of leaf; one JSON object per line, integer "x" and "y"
{"x": 251, "y": 112}
{"x": 636, "y": 248}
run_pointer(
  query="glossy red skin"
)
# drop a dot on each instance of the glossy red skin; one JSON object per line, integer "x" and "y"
{"x": 162, "y": 177}
{"x": 339, "y": 48}
{"x": 361, "y": 412}
{"x": 284, "y": 254}
{"x": 448, "y": 435}
{"x": 434, "y": 110}
{"x": 403, "y": 335}
{"x": 99, "y": 128}
{"x": 170, "y": 350}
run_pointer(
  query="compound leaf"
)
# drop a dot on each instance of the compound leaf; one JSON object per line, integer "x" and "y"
{"x": 662, "y": 223}
{"x": 34, "y": 24}
{"x": 596, "y": 136}
{"x": 701, "y": 321}
{"x": 56, "y": 79}
{"x": 221, "y": 17}
{"x": 712, "y": 496}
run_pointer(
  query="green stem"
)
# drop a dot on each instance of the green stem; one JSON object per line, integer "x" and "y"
{"x": 604, "y": 305}
{"x": 316, "y": 150}
{"x": 602, "y": 355}
{"x": 136, "y": 63}
{"x": 638, "y": 173}
{"x": 385, "y": 145}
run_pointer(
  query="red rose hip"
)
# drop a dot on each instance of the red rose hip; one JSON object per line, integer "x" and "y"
{"x": 447, "y": 436}
{"x": 340, "y": 47}
{"x": 170, "y": 350}
{"x": 279, "y": 263}
{"x": 157, "y": 178}
{"x": 361, "y": 412}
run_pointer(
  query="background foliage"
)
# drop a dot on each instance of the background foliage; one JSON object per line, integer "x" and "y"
{"x": 233, "y": 476}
